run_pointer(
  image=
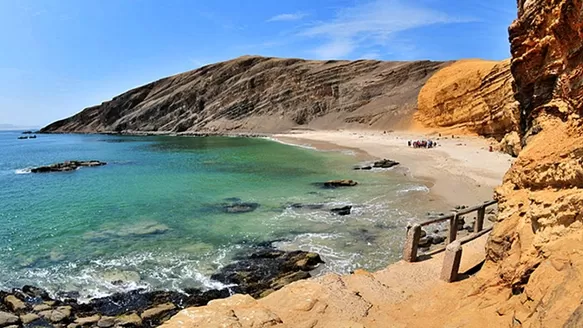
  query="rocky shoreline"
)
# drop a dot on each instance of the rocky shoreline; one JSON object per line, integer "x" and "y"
{"x": 258, "y": 274}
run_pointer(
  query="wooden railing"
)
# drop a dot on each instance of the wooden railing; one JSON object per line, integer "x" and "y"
{"x": 414, "y": 232}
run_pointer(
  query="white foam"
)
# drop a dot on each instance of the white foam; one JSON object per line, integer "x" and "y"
{"x": 306, "y": 146}
{"x": 414, "y": 189}
{"x": 23, "y": 171}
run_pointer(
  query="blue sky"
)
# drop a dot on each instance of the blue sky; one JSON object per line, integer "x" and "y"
{"x": 58, "y": 57}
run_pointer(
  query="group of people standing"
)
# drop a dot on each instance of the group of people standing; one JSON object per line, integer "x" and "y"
{"x": 422, "y": 143}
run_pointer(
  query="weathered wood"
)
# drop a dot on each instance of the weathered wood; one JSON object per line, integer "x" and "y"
{"x": 412, "y": 243}
{"x": 479, "y": 225}
{"x": 452, "y": 229}
{"x": 451, "y": 262}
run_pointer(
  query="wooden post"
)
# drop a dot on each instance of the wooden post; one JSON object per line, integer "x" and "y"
{"x": 452, "y": 229}
{"x": 451, "y": 262}
{"x": 412, "y": 243}
{"x": 479, "y": 225}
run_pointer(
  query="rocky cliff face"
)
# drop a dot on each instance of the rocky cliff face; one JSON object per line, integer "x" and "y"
{"x": 264, "y": 95}
{"x": 536, "y": 247}
{"x": 473, "y": 95}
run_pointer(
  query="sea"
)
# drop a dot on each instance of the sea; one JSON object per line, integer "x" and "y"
{"x": 154, "y": 217}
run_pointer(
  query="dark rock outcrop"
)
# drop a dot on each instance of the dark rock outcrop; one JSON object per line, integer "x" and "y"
{"x": 337, "y": 183}
{"x": 342, "y": 211}
{"x": 385, "y": 164}
{"x": 66, "y": 166}
{"x": 264, "y": 94}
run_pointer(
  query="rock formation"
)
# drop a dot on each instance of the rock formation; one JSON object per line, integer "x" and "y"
{"x": 535, "y": 248}
{"x": 474, "y": 95}
{"x": 66, "y": 166}
{"x": 266, "y": 95}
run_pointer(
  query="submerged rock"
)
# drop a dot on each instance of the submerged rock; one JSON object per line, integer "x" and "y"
{"x": 144, "y": 228}
{"x": 66, "y": 166}
{"x": 240, "y": 207}
{"x": 332, "y": 184}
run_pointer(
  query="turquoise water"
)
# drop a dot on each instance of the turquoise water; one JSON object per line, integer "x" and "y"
{"x": 152, "y": 216}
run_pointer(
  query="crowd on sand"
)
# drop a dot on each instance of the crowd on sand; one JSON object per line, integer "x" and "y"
{"x": 422, "y": 143}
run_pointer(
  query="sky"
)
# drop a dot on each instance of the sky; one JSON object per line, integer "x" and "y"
{"x": 58, "y": 57}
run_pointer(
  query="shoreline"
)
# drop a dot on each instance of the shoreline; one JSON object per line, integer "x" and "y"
{"x": 460, "y": 171}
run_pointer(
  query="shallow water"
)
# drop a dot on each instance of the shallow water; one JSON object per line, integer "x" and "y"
{"x": 153, "y": 216}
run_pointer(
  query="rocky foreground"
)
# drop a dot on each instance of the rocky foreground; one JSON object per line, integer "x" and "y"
{"x": 258, "y": 274}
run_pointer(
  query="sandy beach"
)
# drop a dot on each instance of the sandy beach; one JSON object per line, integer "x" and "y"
{"x": 460, "y": 170}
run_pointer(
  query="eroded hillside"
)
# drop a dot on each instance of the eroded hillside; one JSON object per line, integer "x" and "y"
{"x": 264, "y": 95}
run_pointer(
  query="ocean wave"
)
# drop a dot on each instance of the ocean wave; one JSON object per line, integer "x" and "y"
{"x": 23, "y": 171}
{"x": 424, "y": 189}
{"x": 104, "y": 277}
{"x": 306, "y": 146}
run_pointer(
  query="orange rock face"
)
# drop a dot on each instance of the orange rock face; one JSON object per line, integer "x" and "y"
{"x": 472, "y": 95}
{"x": 536, "y": 249}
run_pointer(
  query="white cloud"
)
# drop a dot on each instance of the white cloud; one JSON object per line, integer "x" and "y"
{"x": 370, "y": 24}
{"x": 287, "y": 17}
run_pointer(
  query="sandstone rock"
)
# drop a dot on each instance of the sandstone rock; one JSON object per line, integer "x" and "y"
{"x": 57, "y": 315}
{"x": 28, "y": 318}
{"x": 106, "y": 322}
{"x": 88, "y": 321}
{"x": 475, "y": 95}
{"x": 7, "y": 319}
{"x": 128, "y": 320}
{"x": 158, "y": 311}
{"x": 14, "y": 303}
{"x": 510, "y": 144}
{"x": 41, "y": 307}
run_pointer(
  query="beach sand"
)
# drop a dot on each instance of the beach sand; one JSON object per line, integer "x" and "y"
{"x": 461, "y": 170}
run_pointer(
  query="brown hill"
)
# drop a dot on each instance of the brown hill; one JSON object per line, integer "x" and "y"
{"x": 472, "y": 95}
{"x": 264, "y": 95}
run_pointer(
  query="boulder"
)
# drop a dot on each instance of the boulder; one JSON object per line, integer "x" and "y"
{"x": 35, "y": 292}
{"x": 437, "y": 239}
{"x": 14, "y": 303}
{"x": 385, "y": 164}
{"x": 342, "y": 210}
{"x": 88, "y": 321}
{"x": 106, "y": 322}
{"x": 28, "y": 318}
{"x": 7, "y": 319}
{"x": 128, "y": 320}
{"x": 425, "y": 242}
{"x": 156, "y": 313}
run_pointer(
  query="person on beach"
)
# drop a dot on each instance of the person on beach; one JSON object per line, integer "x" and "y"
{"x": 409, "y": 143}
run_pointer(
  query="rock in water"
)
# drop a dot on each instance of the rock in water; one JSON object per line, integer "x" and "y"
{"x": 267, "y": 269}
{"x": 66, "y": 166}
{"x": 336, "y": 183}
{"x": 342, "y": 210}
{"x": 240, "y": 207}
{"x": 385, "y": 164}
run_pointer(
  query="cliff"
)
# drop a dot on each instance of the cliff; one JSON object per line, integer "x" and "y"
{"x": 264, "y": 95}
{"x": 535, "y": 248}
{"x": 471, "y": 95}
